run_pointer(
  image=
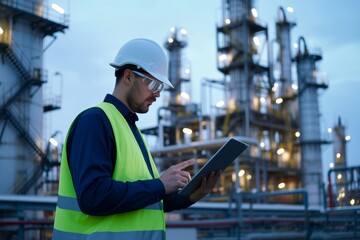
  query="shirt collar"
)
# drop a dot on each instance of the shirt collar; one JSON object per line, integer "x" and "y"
{"x": 122, "y": 108}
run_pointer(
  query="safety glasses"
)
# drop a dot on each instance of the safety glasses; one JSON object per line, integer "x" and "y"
{"x": 152, "y": 84}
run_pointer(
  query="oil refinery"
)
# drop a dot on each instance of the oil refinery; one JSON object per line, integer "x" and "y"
{"x": 270, "y": 94}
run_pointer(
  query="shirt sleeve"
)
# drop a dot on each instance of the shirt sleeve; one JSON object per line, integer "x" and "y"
{"x": 91, "y": 155}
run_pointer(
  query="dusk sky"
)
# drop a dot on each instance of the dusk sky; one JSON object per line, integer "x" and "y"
{"x": 97, "y": 30}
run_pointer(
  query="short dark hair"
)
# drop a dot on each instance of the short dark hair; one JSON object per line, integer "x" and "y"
{"x": 119, "y": 72}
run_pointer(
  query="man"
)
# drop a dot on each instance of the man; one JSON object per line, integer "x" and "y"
{"x": 109, "y": 185}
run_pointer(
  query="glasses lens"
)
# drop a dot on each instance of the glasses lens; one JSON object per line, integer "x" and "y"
{"x": 153, "y": 85}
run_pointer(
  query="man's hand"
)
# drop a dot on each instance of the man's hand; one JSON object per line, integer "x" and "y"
{"x": 206, "y": 186}
{"x": 174, "y": 177}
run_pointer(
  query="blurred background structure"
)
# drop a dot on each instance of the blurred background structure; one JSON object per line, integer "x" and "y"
{"x": 268, "y": 95}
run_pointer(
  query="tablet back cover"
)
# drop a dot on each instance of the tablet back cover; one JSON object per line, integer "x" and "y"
{"x": 219, "y": 161}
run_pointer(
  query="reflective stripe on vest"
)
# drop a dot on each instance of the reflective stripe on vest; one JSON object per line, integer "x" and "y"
{"x": 146, "y": 223}
{"x": 143, "y": 235}
{"x": 70, "y": 203}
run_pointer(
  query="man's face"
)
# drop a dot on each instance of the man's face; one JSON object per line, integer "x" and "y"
{"x": 139, "y": 97}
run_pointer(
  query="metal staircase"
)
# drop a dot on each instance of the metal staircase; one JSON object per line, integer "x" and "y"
{"x": 28, "y": 80}
{"x": 41, "y": 19}
{"x": 24, "y": 133}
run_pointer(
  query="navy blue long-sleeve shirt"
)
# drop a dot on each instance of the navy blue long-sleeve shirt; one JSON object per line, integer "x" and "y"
{"x": 91, "y": 154}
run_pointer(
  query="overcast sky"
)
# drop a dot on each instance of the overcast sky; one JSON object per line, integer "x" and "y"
{"x": 98, "y": 29}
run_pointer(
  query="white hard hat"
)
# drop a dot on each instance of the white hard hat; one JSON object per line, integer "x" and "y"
{"x": 145, "y": 54}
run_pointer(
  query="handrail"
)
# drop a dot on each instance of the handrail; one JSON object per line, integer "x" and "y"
{"x": 23, "y": 66}
{"x": 38, "y": 9}
{"x": 26, "y": 133}
{"x": 258, "y": 195}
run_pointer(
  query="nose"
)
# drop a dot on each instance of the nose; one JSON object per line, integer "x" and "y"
{"x": 157, "y": 94}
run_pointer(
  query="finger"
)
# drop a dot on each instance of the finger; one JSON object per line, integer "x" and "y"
{"x": 204, "y": 186}
{"x": 212, "y": 179}
{"x": 184, "y": 164}
{"x": 217, "y": 175}
{"x": 185, "y": 174}
{"x": 214, "y": 176}
{"x": 183, "y": 181}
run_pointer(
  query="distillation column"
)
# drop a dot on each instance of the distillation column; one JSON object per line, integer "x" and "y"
{"x": 235, "y": 51}
{"x": 309, "y": 121}
{"x": 283, "y": 28}
{"x": 24, "y": 24}
{"x": 239, "y": 77}
{"x": 168, "y": 133}
{"x": 289, "y": 107}
{"x": 339, "y": 147}
{"x": 174, "y": 44}
{"x": 245, "y": 77}
{"x": 339, "y": 138}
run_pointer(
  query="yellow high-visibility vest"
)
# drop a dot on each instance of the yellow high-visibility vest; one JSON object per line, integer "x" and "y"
{"x": 147, "y": 223}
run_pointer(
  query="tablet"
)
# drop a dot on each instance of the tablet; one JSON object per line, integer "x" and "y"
{"x": 219, "y": 161}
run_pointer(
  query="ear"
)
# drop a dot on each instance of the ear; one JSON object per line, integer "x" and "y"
{"x": 128, "y": 77}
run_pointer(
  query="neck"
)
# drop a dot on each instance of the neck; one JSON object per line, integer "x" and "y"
{"x": 120, "y": 95}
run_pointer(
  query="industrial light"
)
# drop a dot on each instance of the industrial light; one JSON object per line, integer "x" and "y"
{"x": 295, "y": 45}
{"x": 220, "y": 104}
{"x": 172, "y": 29}
{"x": 280, "y": 151}
{"x": 262, "y": 99}
{"x": 233, "y": 177}
{"x": 185, "y": 96}
{"x": 279, "y": 100}
{"x": 285, "y": 157}
{"x": 339, "y": 176}
{"x": 290, "y": 9}
{"x": 223, "y": 57}
{"x": 248, "y": 177}
{"x": 281, "y": 185}
{"x": 338, "y": 155}
{"x": 347, "y": 138}
{"x": 57, "y": 8}
{"x": 227, "y": 21}
{"x": 331, "y": 165}
{"x": 53, "y": 142}
{"x": 254, "y": 12}
{"x": 352, "y": 202}
{"x": 274, "y": 88}
{"x": 342, "y": 194}
{"x": 294, "y": 86}
{"x": 232, "y": 105}
{"x": 256, "y": 41}
{"x": 1, "y": 31}
{"x": 297, "y": 134}
{"x": 183, "y": 31}
{"x": 170, "y": 40}
{"x": 187, "y": 131}
{"x": 241, "y": 173}
{"x": 329, "y": 130}
{"x": 262, "y": 144}
{"x": 187, "y": 70}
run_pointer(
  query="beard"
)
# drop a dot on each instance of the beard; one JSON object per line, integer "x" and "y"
{"x": 136, "y": 103}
